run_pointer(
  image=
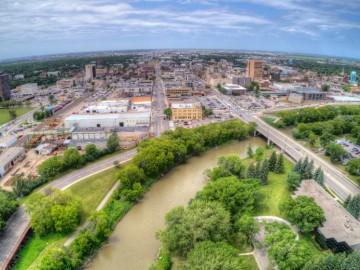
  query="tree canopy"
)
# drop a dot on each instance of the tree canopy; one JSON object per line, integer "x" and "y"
{"x": 236, "y": 196}
{"x": 303, "y": 212}
{"x": 56, "y": 212}
{"x": 201, "y": 221}
{"x": 209, "y": 255}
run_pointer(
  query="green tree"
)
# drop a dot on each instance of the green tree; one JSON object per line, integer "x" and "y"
{"x": 336, "y": 152}
{"x": 258, "y": 170}
{"x": 12, "y": 114}
{"x": 319, "y": 176}
{"x": 313, "y": 139}
{"x": 293, "y": 181}
{"x": 272, "y": 161}
{"x": 51, "y": 167}
{"x": 8, "y": 205}
{"x": 325, "y": 87}
{"x": 251, "y": 172}
{"x": 259, "y": 153}
{"x": 264, "y": 173}
{"x": 52, "y": 99}
{"x": 208, "y": 112}
{"x": 235, "y": 196}
{"x": 298, "y": 167}
{"x": 56, "y": 212}
{"x": 308, "y": 171}
{"x": 201, "y": 221}
{"x": 353, "y": 206}
{"x": 303, "y": 212}
{"x": 130, "y": 175}
{"x": 112, "y": 143}
{"x": 133, "y": 194}
{"x": 232, "y": 164}
{"x": 354, "y": 166}
{"x": 55, "y": 259}
{"x": 326, "y": 138}
{"x": 91, "y": 152}
{"x": 282, "y": 247}
{"x": 247, "y": 226}
{"x": 72, "y": 158}
{"x": 250, "y": 151}
{"x": 209, "y": 255}
{"x": 280, "y": 167}
{"x": 338, "y": 261}
{"x": 168, "y": 112}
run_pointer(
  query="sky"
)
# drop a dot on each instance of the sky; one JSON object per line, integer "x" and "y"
{"x": 40, "y": 27}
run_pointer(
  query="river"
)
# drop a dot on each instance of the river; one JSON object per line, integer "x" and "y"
{"x": 133, "y": 245}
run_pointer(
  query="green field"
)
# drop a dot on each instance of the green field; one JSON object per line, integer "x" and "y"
{"x": 91, "y": 191}
{"x": 5, "y": 117}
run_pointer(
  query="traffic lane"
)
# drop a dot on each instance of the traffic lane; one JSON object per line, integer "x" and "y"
{"x": 66, "y": 180}
{"x": 335, "y": 179}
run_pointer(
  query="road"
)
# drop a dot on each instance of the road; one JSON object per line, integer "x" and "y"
{"x": 7, "y": 129}
{"x": 159, "y": 104}
{"x": 334, "y": 178}
{"x": 74, "y": 177}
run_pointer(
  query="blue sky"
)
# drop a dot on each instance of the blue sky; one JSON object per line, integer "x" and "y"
{"x": 38, "y": 27}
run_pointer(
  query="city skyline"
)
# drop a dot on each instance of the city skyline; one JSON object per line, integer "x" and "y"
{"x": 55, "y": 27}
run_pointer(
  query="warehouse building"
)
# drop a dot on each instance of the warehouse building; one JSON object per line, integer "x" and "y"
{"x": 7, "y": 141}
{"x": 340, "y": 232}
{"x": 9, "y": 158}
{"x": 141, "y": 119}
{"x": 186, "y": 111}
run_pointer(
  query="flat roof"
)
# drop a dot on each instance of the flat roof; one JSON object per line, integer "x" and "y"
{"x": 339, "y": 224}
{"x": 7, "y": 138}
{"x": 77, "y": 117}
{"x": 233, "y": 86}
{"x": 9, "y": 154}
{"x": 140, "y": 99}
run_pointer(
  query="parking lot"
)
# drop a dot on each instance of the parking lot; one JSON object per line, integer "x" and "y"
{"x": 351, "y": 148}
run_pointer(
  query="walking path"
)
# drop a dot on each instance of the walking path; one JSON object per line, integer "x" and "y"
{"x": 19, "y": 223}
{"x": 86, "y": 223}
{"x": 260, "y": 251}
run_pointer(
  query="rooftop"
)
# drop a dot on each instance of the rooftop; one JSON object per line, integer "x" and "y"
{"x": 140, "y": 99}
{"x": 9, "y": 154}
{"x": 339, "y": 224}
{"x": 77, "y": 117}
{"x": 7, "y": 138}
{"x": 233, "y": 87}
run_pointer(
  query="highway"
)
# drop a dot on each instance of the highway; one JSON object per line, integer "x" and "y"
{"x": 334, "y": 178}
{"x": 74, "y": 177}
{"x": 159, "y": 104}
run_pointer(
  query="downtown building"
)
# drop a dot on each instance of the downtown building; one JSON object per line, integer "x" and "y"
{"x": 5, "y": 93}
{"x": 90, "y": 71}
{"x": 254, "y": 69}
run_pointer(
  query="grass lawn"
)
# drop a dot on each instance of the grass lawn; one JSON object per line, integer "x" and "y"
{"x": 5, "y": 117}
{"x": 268, "y": 120}
{"x": 91, "y": 191}
{"x": 308, "y": 240}
{"x": 33, "y": 248}
{"x": 274, "y": 192}
{"x": 239, "y": 242}
{"x": 249, "y": 262}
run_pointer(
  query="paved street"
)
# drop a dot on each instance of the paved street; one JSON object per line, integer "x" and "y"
{"x": 71, "y": 178}
{"x": 159, "y": 104}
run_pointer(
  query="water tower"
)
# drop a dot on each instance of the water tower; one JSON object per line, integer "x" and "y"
{"x": 353, "y": 77}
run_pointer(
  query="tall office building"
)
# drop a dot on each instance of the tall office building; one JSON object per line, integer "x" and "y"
{"x": 254, "y": 69}
{"x": 90, "y": 71}
{"x": 5, "y": 93}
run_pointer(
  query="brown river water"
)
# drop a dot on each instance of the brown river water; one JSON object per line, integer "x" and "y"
{"x": 133, "y": 245}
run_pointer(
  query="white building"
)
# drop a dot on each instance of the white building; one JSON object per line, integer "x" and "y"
{"x": 141, "y": 119}
{"x": 7, "y": 141}
{"x": 9, "y": 158}
{"x": 234, "y": 89}
{"x": 28, "y": 89}
{"x": 106, "y": 109}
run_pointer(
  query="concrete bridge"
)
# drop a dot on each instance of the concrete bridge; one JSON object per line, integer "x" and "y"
{"x": 341, "y": 185}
